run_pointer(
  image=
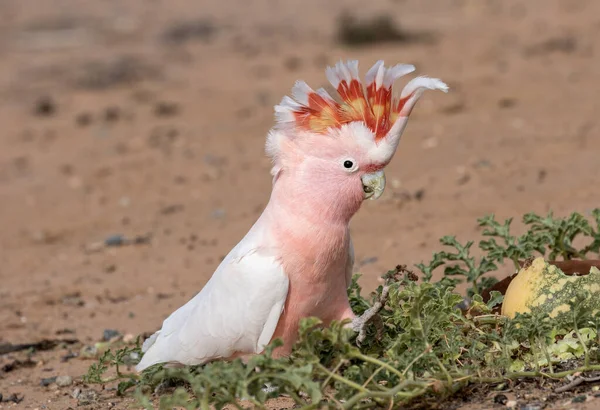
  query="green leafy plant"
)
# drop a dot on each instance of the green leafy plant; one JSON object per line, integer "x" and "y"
{"x": 543, "y": 234}
{"x": 422, "y": 348}
{"x": 546, "y": 236}
{"x": 116, "y": 361}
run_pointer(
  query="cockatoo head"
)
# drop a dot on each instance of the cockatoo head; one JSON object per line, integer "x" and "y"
{"x": 337, "y": 149}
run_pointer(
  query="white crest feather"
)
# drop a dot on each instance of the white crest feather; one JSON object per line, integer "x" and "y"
{"x": 352, "y": 66}
{"x": 300, "y": 92}
{"x": 420, "y": 84}
{"x": 332, "y": 76}
{"x": 373, "y": 72}
{"x": 395, "y": 72}
{"x": 344, "y": 72}
{"x": 325, "y": 95}
{"x": 284, "y": 111}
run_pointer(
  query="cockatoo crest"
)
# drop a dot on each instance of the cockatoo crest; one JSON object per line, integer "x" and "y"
{"x": 365, "y": 121}
{"x": 377, "y": 108}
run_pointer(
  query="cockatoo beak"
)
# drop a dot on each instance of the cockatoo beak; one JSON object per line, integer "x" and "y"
{"x": 373, "y": 184}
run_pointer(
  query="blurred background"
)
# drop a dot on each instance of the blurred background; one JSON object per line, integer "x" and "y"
{"x": 132, "y": 137}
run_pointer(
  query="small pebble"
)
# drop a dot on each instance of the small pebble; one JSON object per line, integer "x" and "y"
{"x": 63, "y": 381}
{"x": 110, "y": 334}
{"x": 511, "y": 404}
{"x": 506, "y": 102}
{"x": 142, "y": 239}
{"x": 47, "y": 381}
{"x": 68, "y": 357}
{"x": 542, "y": 173}
{"x": 218, "y": 214}
{"x": 368, "y": 261}
{"x": 532, "y": 406}
{"x": 89, "y": 351}
{"x": 484, "y": 163}
{"x": 87, "y": 397}
{"x": 419, "y": 194}
{"x": 45, "y": 107}
{"x": 115, "y": 240}
{"x": 14, "y": 398}
{"x": 166, "y": 109}
{"x": 95, "y": 247}
{"x": 112, "y": 114}
{"x": 463, "y": 179}
{"x": 110, "y": 268}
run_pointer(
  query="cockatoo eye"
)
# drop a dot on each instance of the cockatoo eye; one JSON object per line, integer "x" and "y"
{"x": 350, "y": 164}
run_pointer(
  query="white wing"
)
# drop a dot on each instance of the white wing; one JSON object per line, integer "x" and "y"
{"x": 236, "y": 311}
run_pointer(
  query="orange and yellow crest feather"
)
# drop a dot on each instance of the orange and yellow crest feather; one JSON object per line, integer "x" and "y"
{"x": 374, "y": 105}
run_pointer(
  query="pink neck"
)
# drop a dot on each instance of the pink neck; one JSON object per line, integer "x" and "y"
{"x": 301, "y": 203}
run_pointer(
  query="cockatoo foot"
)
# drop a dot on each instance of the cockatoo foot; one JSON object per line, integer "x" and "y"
{"x": 359, "y": 324}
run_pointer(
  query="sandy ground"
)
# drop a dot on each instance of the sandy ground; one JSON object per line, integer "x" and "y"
{"x": 149, "y": 118}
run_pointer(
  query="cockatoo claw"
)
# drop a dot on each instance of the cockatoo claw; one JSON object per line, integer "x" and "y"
{"x": 359, "y": 324}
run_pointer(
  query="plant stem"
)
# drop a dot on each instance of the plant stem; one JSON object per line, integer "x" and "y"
{"x": 341, "y": 379}
{"x": 544, "y": 349}
{"x": 529, "y": 375}
{"x": 586, "y": 353}
{"x": 377, "y": 362}
{"x": 334, "y": 371}
{"x": 533, "y": 350}
{"x": 389, "y": 394}
{"x": 204, "y": 400}
{"x": 372, "y": 376}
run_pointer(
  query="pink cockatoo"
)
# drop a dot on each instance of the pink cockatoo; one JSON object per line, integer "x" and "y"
{"x": 296, "y": 261}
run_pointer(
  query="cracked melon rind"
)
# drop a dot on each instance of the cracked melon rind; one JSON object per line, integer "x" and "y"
{"x": 543, "y": 288}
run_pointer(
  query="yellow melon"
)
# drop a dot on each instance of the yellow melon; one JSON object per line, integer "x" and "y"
{"x": 544, "y": 288}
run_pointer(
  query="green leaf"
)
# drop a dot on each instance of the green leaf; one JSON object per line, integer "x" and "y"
{"x": 495, "y": 299}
